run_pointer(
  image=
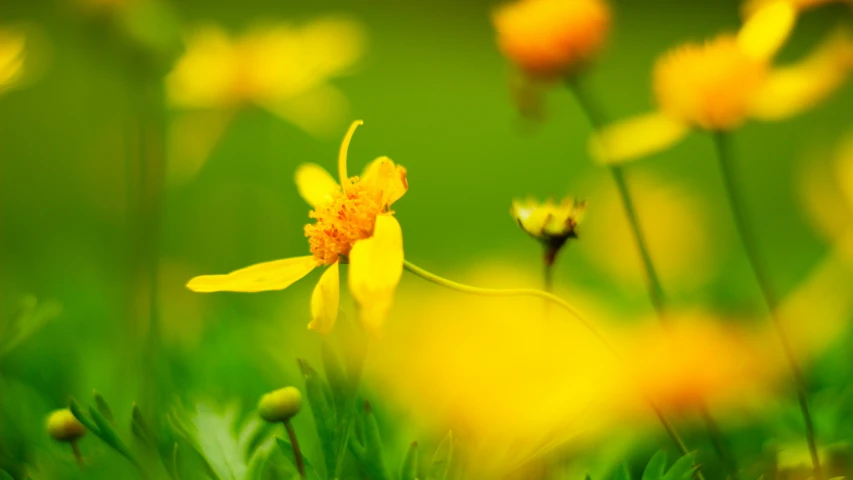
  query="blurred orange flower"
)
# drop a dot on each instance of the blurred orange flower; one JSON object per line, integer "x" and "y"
{"x": 551, "y": 38}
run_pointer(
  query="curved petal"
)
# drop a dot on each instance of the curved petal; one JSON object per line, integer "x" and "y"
{"x": 315, "y": 184}
{"x": 766, "y": 30}
{"x": 793, "y": 89}
{"x": 325, "y": 300}
{"x": 376, "y": 265}
{"x": 342, "y": 154}
{"x": 275, "y": 275}
{"x": 390, "y": 178}
{"x": 636, "y": 137}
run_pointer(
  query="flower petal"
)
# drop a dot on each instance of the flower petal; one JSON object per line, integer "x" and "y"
{"x": 376, "y": 265}
{"x": 325, "y": 300}
{"x": 390, "y": 178}
{"x": 793, "y": 89}
{"x": 636, "y": 137}
{"x": 275, "y": 275}
{"x": 342, "y": 154}
{"x": 315, "y": 184}
{"x": 766, "y": 30}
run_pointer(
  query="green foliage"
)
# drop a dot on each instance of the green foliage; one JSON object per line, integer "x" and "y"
{"x": 98, "y": 425}
{"x": 31, "y": 318}
{"x": 682, "y": 469}
{"x": 440, "y": 465}
{"x": 409, "y": 468}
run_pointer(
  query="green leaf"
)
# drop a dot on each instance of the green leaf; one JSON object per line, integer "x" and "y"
{"x": 103, "y": 407}
{"x": 4, "y": 475}
{"x": 111, "y": 438}
{"x": 31, "y": 318}
{"x": 77, "y": 411}
{"x": 409, "y": 469}
{"x": 338, "y": 383}
{"x": 318, "y": 396}
{"x": 441, "y": 459}
{"x": 287, "y": 450}
{"x": 683, "y": 468}
{"x": 622, "y": 473}
{"x": 374, "y": 462}
{"x": 140, "y": 428}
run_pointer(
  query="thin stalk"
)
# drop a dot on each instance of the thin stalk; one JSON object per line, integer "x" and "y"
{"x": 529, "y": 292}
{"x": 549, "y": 258}
{"x": 653, "y": 285}
{"x": 510, "y": 292}
{"x": 654, "y": 288}
{"x": 77, "y": 455}
{"x": 750, "y": 246}
{"x": 297, "y": 452}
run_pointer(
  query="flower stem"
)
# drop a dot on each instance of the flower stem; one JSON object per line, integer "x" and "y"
{"x": 596, "y": 120}
{"x": 726, "y": 161}
{"x": 653, "y": 285}
{"x": 297, "y": 452}
{"x": 77, "y": 455}
{"x": 529, "y": 292}
{"x": 510, "y": 292}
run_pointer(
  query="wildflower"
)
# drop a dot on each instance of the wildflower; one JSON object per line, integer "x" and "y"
{"x": 551, "y": 38}
{"x": 281, "y": 68}
{"x": 64, "y": 427}
{"x": 12, "y": 58}
{"x": 280, "y": 405}
{"x": 718, "y": 85}
{"x": 355, "y": 225}
{"x": 548, "y": 222}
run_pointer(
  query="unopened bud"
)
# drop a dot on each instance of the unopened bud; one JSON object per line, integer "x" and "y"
{"x": 280, "y": 405}
{"x": 63, "y": 426}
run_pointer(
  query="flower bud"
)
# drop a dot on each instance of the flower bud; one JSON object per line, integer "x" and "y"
{"x": 64, "y": 427}
{"x": 280, "y": 405}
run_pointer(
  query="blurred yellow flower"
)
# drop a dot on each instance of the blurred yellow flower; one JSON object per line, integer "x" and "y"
{"x": 551, "y": 38}
{"x": 282, "y": 68}
{"x": 508, "y": 379}
{"x": 675, "y": 223}
{"x": 354, "y": 225}
{"x": 13, "y": 54}
{"x": 717, "y": 85}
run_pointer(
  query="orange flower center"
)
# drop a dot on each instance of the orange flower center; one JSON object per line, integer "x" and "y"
{"x": 711, "y": 85}
{"x": 348, "y": 217}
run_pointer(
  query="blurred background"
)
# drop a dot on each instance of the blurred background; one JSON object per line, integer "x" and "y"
{"x": 436, "y": 97}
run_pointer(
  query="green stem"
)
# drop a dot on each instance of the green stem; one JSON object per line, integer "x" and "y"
{"x": 297, "y": 452}
{"x": 510, "y": 292}
{"x": 529, "y": 292}
{"x": 750, "y": 246}
{"x": 718, "y": 441}
{"x": 596, "y": 120}
{"x": 653, "y": 284}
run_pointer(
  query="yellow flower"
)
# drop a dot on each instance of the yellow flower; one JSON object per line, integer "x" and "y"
{"x": 64, "y": 427}
{"x": 13, "y": 55}
{"x": 548, "y": 222}
{"x": 282, "y": 68}
{"x": 355, "y": 225}
{"x": 550, "y": 38}
{"x": 718, "y": 85}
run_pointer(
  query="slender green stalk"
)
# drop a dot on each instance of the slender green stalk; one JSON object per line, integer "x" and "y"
{"x": 750, "y": 246}
{"x": 297, "y": 452}
{"x": 548, "y": 261}
{"x": 510, "y": 292}
{"x": 653, "y": 285}
{"x": 595, "y": 117}
{"x": 529, "y": 292}
{"x": 77, "y": 455}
